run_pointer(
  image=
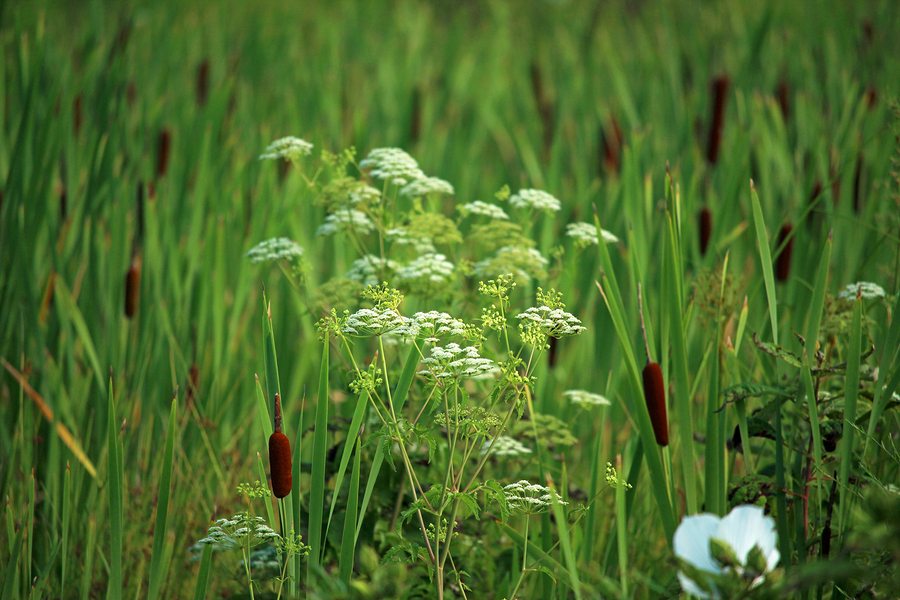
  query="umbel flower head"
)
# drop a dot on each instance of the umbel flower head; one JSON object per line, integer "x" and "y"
{"x": 456, "y": 362}
{"x": 393, "y": 165}
{"x": 428, "y": 268}
{"x": 505, "y": 446}
{"x": 866, "y": 289}
{"x": 535, "y": 200}
{"x": 585, "y": 398}
{"x": 586, "y": 234}
{"x": 722, "y": 555}
{"x": 426, "y": 186}
{"x": 368, "y": 322}
{"x": 491, "y": 211}
{"x": 530, "y": 498}
{"x": 275, "y": 249}
{"x": 553, "y": 322}
{"x": 287, "y": 148}
{"x": 346, "y": 219}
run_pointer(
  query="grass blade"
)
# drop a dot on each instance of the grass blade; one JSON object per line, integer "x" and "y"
{"x": 162, "y": 507}
{"x": 317, "y": 484}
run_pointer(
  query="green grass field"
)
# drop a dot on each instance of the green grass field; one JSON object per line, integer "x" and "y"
{"x": 740, "y": 158}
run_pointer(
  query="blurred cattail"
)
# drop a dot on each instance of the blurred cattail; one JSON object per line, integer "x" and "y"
{"x": 63, "y": 203}
{"x": 77, "y": 114}
{"x": 813, "y": 197}
{"x": 133, "y": 286}
{"x": 871, "y": 97}
{"x": 611, "y": 139}
{"x": 544, "y": 106}
{"x": 202, "y": 82}
{"x": 783, "y": 262}
{"x": 47, "y": 300}
{"x": 857, "y": 183}
{"x": 655, "y": 396}
{"x": 120, "y": 43}
{"x": 284, "y": 169}
{"x": 835, "y": 174}
{"x": 193, "y": 384}
{"x": 415, "y": 116}
{"x": 783, "y": 94}
{"x": 552, "y": 352}
{"x": 719, "y": 92}
{"x": 163, "y": 148}
{"x": 131, "y": 94}
{"x": 280, "y": 456}
{"x": 704, "y": 221}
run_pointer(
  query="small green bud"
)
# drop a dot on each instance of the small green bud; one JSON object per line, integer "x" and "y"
{"x": 756, "y": 563}
{"x": 723, "y": 553}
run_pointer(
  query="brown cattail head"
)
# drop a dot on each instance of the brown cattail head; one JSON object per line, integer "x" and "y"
{"x": 783, "y": 94}
{"x": 77, "y": 114}
{"x": 552, "y": 352}
{"x": 133, "y": 286}
{"x": 280, "y": 456}
{"x": 857, "y": 183}
{"x": 63, "y": 204}
{"x": 163, "y": 147}
{"x": 131, "y": 94}
{"x": 544, "y": 106}
{"x": 202, "y": 82}
{"x": 783, "y": 262}
{"x": 655, "y": 396}
{"x": 719, "y": 93}
{"x": 871, "y": 97}
{"x": 415, "y": 116}
{"x": 813, "y": 197}
{"x": 704, "y": 222}
{"x": 611, "y": 140}
{"x": 193, "y": 384}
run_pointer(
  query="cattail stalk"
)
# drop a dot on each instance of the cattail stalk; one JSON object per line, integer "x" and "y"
{"x": 719, "y": 92}
{"x": 704, "y": 222}
{"x": 783, "y": 94}
{"x": 415, "y": 116}
{"x": 280, "y": 456}
{"x": 77, "y": 114}
{"x": 783, "y": 262}
{"x": 611, "y": 140}
{"x": 133, "y": 285}
{"x": 202, "y": 82}
{"x": 857, "y": 183}
{"x": 163, "y": 148}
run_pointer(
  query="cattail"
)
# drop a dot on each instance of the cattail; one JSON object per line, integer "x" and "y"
{"x": 834, "y": 174}
{"x": 163, "y": 147}
{"x": 813, "y": 197}
{"x": 783, "y": 262}
{"x": 857, "y": 183}
{"x": 552, "y": 352}
{"x": 280, "y": 456}
{"x": 77, "y": 114}
{"x": 871, "y": 97}
{"x": 133, "y": 286}
{"x": 544, "y": 106}
{"x": 783, "y": 94}
{"x": 63, "y": 204}
{"x": 655, "y": 396}
{"x": 611, "y": 140}
{"x": 415, "y": 116}
{"x": 202, "y": 82}
{"x": 704, "y": 219}
{"x": 193, "y": 384}
{"x": 719, "y": 90}
{"x": 131, "y": 94}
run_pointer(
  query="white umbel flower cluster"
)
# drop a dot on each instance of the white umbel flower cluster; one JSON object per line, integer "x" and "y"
{"x": 367, "y": 322}
{"x": 364, "y": 194}
{"x": 431, "y": 267}
{"x": 522, "y": 263}
{"x": 506, "y": 447}
{"x": 346, "y": 219}
{"x": 585, "y": 234}
{"x": 535, "y": 199}
{"x": 287, "y": 148}
{"x": 456, "y": 362}
{"x": 274, "y": 249}
{"x": 554, "y": 322}
{"x": 426, "y": 186}
{"x": 226, "y": 534}
{"x": 393, "y": 165}
{"x": 586, "y": 399}
{"x": 866, "y": 289}
{"x": 491, "y": 211}
{"x": 432, "y": 325}
{"x": 530, "y": 498}
{"x": 404, "y": 237}
{"x": 370, "y": 269}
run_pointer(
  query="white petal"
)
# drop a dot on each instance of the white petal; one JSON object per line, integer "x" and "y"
{"x": 691, "y": 541}
{"x": 747, "y": 526}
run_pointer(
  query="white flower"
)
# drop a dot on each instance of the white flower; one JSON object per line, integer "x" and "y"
{"x": 742, "y": 529}
{"x": 491, "y": 211}
{"x": 429, "y": 325}
{"x": 586, "y": 399}
{"x": 530, "y": 498}
{"x": 585, "y": 234}
{"x": 404, "y": 237}
{"x": 275, "y": 249}
{"x": 346, "y": 218}
{"x": 505, "y": 446}
{"x": 424, "y": 186}
{"x": 554, "y": 322}
{"x": 371, "y": 322}
{"x": 432, "y": 267}
{"x": 455, "y": 362}
{"x": 393, "y": 165}
{"x": 522, "y": 263}
{"x": 370, "y": 269}
{"x": 535, "y": 199}
{"x": 288, "y": 148}
{"x": 866, "y": 289}
{"x": 365, "y": 194}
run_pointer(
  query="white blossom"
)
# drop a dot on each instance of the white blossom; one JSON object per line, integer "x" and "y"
{"x": 274, "y": 249}
{"x": 368, "y": 322}
{"x": 866, "y": 289}
{"x": 431, "y": 267}
{"x": 393, "y": 165}
{"x": 744, "y": 528}
{"x": 491, "y": 211}
{"x": 585, "y": 234}
{"x": 585, "y": 398}
{"x": 530, "y": 498}
{"x": 535, "y": 199}
{"x": 344, "y": 219}
{"x": 505, "y": 446}
{"x": 287, "y": 148}
{"x": 365, "y": 194}
{"x": 431, "y": 325}
{"x": 425, "y": 186}
{"x": 523, "y": 263}
{"x": 554, "y": 322}
{"x": 404, "y": 237}
{"x": 370, "y": 269}
{"x": 455, "y": 362}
